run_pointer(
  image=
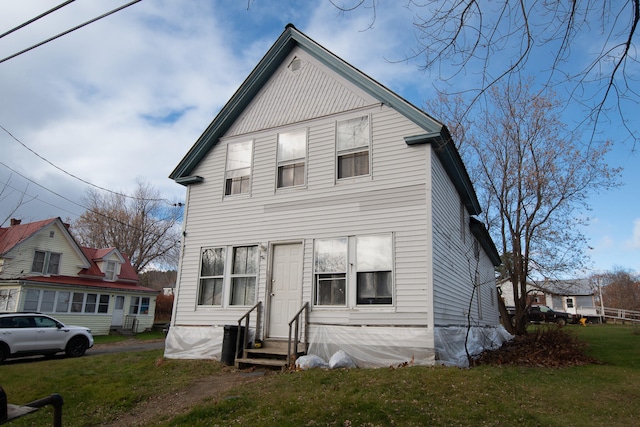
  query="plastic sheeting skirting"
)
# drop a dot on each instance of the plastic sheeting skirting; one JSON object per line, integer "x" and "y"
{"x": 368, "y": 346}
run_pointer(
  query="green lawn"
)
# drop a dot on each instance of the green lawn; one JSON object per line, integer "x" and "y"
{"x": 98, "y": 388}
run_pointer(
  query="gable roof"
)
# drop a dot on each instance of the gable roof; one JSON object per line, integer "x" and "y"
{"x": 435, "y": 132}
{"x": 12, "y": 236}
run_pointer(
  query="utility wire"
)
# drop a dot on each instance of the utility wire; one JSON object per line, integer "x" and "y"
{"x": 74, "y": 176}
{"x": 60, "y": 6}
{"x": 70, "y": 30}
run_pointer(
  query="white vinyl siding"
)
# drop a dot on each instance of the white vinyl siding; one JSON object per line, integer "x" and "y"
{"x": 393, "y": 201}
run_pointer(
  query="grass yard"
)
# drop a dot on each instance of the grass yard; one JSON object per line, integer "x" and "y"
{"x": 97, "y": 389}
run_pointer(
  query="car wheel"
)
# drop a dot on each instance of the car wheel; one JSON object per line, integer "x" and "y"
{"x": 76, "y": 347}
{"x": 561, "y": 321}
{"x": 4, "y": 351}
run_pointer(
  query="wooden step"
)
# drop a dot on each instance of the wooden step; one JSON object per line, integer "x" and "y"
{"x": 248, "y": 362}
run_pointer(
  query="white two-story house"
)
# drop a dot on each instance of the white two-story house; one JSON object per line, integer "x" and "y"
{"x": 316, "y": 187}
{"x": 43, "y": 269}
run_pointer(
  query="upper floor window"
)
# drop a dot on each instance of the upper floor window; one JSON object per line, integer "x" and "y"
{"x": 292, "y": 153}
{"x": 352, "y": 145}
{"x": 46, "y": 262}
{"x": 110, "y": 270}
{"x": 238, "y": 167}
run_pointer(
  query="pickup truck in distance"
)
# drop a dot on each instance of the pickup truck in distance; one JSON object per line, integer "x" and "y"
{"x": 542, "y": 314}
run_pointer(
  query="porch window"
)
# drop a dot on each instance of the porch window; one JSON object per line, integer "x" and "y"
{"x": 45, "y": 262}
{"x": 103, "y": 304}
{"x": 292, "y": 154}
{"x": 330, "y": 263}
{"x": 244, "y": 275}
{"x": 374, "y": 266}
{"x": 211, "y": 276}
{"x": 48, "y": 299}
{"x": 90, "y": 305}
{"x": 139, "y": 305}
{"x": 31, "y": 300}
{"x": 238, "y": 168}
{"x": 352, "y": 145}
{"x": 62, "y": 305}
{"x": 78, "y": 301}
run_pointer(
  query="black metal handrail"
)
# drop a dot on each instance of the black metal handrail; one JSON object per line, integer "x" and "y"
{"x": 296, "y": 320}
{"x": 10, "y": 412}
{"x": 247, "y": 317}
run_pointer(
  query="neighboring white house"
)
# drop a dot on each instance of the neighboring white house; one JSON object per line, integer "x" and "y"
{"x": 315, "y": 184}
{"x": 576, "y": 297}
{"x": 42, "y": 268}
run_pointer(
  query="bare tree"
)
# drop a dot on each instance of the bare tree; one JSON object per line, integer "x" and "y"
{"x": 10, "y": 206}
{"x": 143, "y": 226}
{"x": 533, "y": 179}
{"x": 587, "y": 47}
{"x": 622, "y": 290}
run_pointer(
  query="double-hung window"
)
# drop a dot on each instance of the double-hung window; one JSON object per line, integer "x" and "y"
{"x": 330, "y": 263}
{"x": 211, "y": 276}
{"x": 236, "y": 278}
{"x": 353, "y": 146}
{"x": 244, "y": 275}
{"x": 139, "y": 305}
{"x": 374, "y": 269}
{"x": 292, "y": 153}
{"x": 110, "y": 271}
{"x": 46, "y": 262}
{"x": 238, "y": 168}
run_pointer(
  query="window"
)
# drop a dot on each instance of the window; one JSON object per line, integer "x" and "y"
{"x": 90, "y": 305}
{"x": 139, "y": 305}
{"x": 103, "y": 305}
{"x": 110, "y": 270}
{"x": 330, "y": 263}
{"x": 238, "y": 168}
{"x": 292, "y": 153}
{"x": 352, "y": 143}
{"x": 244, "y": 275}
{"x": 76, "y": 304}
{"x": 45, "y": 263}
{"x": 569, "y": 302}
{"x": 62, "y": 306}
{"x": 374, "y": 269}
{"x": 48, "y": 299}
{"x": 31, "y": 300}
{"x": 211, "y": 276}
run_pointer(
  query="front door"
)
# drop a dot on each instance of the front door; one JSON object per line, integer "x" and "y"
{"x": 286, "y": 288}
{"x": 118, "y": 311}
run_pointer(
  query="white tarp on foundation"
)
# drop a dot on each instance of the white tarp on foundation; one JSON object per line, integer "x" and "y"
{"x": 367, "y": 346}
{"x": 374, "y": 346}
{"x": 450, "y": 342}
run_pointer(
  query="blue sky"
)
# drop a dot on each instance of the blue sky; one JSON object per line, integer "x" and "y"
{"x": 125, "y": 98}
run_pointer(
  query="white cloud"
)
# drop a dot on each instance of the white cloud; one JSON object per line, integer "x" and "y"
{"x": 635, "y": 234}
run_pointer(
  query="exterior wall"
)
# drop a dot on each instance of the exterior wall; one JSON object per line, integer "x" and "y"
{"x": 454, "y": 261}
{"x": 392, "y": 200}
{"x": 20, "y": 259}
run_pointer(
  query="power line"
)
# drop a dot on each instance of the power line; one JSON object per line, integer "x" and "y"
{"x": 30, "y": 21}
{"x": 70, "y": 30}
{"x": 74, "y": 176}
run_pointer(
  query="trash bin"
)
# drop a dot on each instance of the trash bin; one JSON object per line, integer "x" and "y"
{"x": 229, "y": 344}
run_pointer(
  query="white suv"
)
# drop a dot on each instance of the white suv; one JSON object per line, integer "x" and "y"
{"x": 27, "y": 334}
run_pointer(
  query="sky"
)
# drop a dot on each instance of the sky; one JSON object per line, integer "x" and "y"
{"x": 124, "y": 98}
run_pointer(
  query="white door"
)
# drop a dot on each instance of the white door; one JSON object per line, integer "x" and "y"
{"x": 286, "y": 288}
{"x": 118, "y": 311}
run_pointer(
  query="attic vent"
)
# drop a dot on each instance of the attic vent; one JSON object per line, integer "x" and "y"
{"x": 52, "y": 233}
{"x": 295, "y": 65}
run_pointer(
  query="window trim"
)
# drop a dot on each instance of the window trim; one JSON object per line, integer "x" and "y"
{"x": 46, "y": 263}
{"x": 351, "y": 276}
{"x": 293, "y": 161}
{"x": 228, "y": 178}
{"x": 227, "y": 276}
{"x": 354, "y": 150}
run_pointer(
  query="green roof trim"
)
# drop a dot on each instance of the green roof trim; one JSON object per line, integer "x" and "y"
{"x": 448, "y": 154}
{"x": 482, "y": 235}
